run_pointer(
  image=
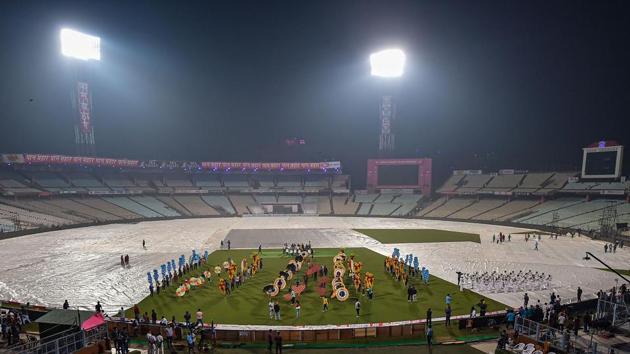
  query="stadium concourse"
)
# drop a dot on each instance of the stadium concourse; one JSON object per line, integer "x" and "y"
{"x": 82, "y": 265}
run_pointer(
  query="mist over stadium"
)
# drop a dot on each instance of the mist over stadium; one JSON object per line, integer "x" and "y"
{"x": 418, "y": 176}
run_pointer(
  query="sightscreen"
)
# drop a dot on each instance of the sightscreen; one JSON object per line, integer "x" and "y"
{"x": 601, "y": 163}
{"x": 398, "y": 175}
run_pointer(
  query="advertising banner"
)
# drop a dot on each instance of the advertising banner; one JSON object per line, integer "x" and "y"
{"x": 53, "y": 159}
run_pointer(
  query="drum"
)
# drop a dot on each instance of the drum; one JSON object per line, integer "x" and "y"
{"x": 271, "y": 290}
{"x": 343, "y": 294}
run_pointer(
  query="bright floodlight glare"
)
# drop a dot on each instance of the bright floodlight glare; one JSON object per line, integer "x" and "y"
{"x": 80, "y": 45}
{"x": 388, "y": 63}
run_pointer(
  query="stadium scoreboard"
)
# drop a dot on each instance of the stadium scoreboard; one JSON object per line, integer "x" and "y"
{"x": 602, "y": 161}
{"x": 399, "y": 174}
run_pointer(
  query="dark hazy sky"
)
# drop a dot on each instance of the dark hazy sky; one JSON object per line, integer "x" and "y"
{"x": 489, "y": 84}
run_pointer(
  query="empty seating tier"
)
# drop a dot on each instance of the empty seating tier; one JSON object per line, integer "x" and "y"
{"x": 477, "y": 208}
{"x": 69, "y": 206}
{"x": 508, "y": 210}
{"x": 449, "y": 208}
{"x": 241, "y": 202}
{"x": 383, "y": 209}
{"x": 196, "y": 205}
{"x": 219, "y": 202}
{"x": 342, "y": 207}
{"x": 132, "y": 206}
{"x": 174, "y": 204}
{"x": 156, "y": 205}
{"x": 98, "y": 203}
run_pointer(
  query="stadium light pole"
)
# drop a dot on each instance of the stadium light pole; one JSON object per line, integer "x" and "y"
{"x": 387, "y": 64}
{"x": 83, "y": 48}
{"x": 588, "y": 257}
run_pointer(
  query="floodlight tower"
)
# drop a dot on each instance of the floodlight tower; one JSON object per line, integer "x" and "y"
{"x": 388, "y": 64}
{"x": 83, "y": 47}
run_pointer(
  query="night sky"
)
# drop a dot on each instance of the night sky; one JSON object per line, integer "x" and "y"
{"x": 498, "y": 84}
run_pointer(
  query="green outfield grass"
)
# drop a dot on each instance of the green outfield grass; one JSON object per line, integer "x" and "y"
{"x": 248, "y": 304}
{"x": 418, "y": 235}
{"x": 624, "y": 272}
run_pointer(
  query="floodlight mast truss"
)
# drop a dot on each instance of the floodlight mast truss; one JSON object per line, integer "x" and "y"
{"x": 85, "y": 47}
{"x": 388, "y": 63}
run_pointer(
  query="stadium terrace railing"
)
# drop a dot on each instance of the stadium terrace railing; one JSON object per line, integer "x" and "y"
{"x": 617, "y": 313}
{"x": 564, "y": 341}
{"x": 62, "y": 344}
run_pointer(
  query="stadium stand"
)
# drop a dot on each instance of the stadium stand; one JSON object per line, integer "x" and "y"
{"x": 507, "y": 211}
{"x": 310, "y": 205}
{"x": 555, "y": 182}
{"x": 290, "y": 182}
{"x": 323, "y": 205}
{"x": 364, "y": 209}
{"x": 141, "y": 184}
{"x": 220, "y": 203}
{"x": 473, "y": 183}
{"x": 235, "y": 182}
{"x": 611, "y": 186}
{"x": 33, "y": 218}
{"x": 585, "y": 212}
{"x": 315, "y": 182}
{"x": 14, "y": 184}
{"x": 78, "y": 179}
{"x": 49, "y": 181}
{"x": 156, "y": 205}
{"x": 207, "y": 181}
{"x": 98, "y": 203}
{"x": 262, "y": 182}
{"x": 383, "y": 209}
{"x": 255, "y": 210}
{"x": 365, "y": 198}
{"x": 196, "y": 205}
{"x": 175, "y": 205}
{"x": 407, "y": 198}
{"x": 451, "y": 184}
{"x": 594, "y": 224}
{"x": 344, "y": 205}
{"x": 44, "y": 208}
{"x": 405, "y": 210}
{"x": 434, "y": 205}
{"x": 241, "y": 202}
{"x": 503, "y": 183}
{"x": 532, "y": 182}
{"x": 266, "y": 199}
{"x": 477, "y": 208}
{"x": 178, "y": 180}
{"x": 289, "y": 199}
{"x": 309, "y": 208}
{"x": 545, "y": 208}
{"x": 118, "y": 180}
{"x": 340, "y": 184}
{"x": 569, "y": 210}
{"x": 384, "y": 198}
{"x": 576, "y": 187}
{"x": 69, "y": 206}
{"x": 450, "y": 207}
{"x": 132, "y": 206}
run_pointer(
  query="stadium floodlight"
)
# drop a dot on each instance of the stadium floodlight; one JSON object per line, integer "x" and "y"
{"x": 80, "y": 45}
{"x": 388, "y": 63}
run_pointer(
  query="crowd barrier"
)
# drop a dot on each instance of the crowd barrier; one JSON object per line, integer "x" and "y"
{"x": 308, "y": 334}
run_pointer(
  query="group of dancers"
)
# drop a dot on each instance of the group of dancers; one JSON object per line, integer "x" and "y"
{"x": 505, "y": 282}
{"x": 296, "y": 249}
